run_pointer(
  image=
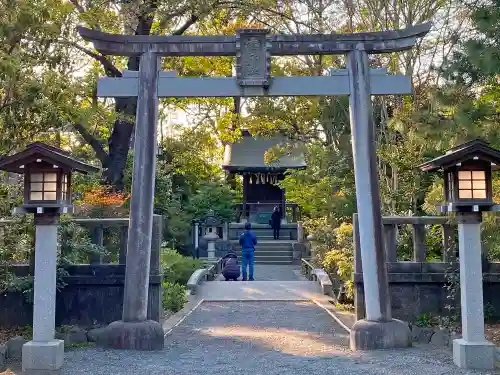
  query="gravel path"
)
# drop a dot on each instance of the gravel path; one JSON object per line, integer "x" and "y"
{"x": 274, "y": 272}
{"x": 260, "y": 338}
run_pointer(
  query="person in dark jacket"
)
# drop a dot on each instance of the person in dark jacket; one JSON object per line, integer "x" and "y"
{"x": 248, "y": 240}
{"x": 276, "y": 223}
{"x": 231, "y": 268}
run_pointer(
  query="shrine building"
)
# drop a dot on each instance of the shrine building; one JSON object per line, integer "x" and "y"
{"x": 261, "y": 192}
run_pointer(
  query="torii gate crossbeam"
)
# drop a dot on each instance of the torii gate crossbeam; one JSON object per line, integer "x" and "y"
{"x": 253, "y": 49}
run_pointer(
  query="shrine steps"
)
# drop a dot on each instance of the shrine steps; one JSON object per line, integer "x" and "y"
{"x": 270, "y": 251}
{"x": 263, "y": 231}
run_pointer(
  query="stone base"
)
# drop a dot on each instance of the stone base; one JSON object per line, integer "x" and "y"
{"x": 474, "y": 355}
{"x": 145, "y": 335}
{"x": 43, "y": 357}
{"x": 370, "y": 335}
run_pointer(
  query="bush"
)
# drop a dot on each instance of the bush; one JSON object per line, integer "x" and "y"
{"x": 333, "y": 250}
{"x": 174, "y": 296}
{"x": 176, "y": 268}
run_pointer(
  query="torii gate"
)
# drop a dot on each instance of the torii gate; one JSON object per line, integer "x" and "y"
{"x": 253, "y": 49}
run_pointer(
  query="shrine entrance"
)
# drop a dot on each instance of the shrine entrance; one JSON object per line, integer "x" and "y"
{"x": 261, "y": 192}
{"x": 253, "y": 49}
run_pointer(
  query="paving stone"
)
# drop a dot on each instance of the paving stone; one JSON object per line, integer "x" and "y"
{"x": 75, "y": 335}
{"x": 261, "y": 338}
{"x": 441, "y": 337}
{"x": 274, "y": 272}
{"x": 425, "y": 335}
{"x": 3, "y": 355}
{"x": 94, "y": 333}
{"x": 15, "y": 347}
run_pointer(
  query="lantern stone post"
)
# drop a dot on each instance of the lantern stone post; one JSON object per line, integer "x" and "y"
{"x": 47, "y": 194}
{"x": 44, "y": 352}
{"x": 468, "y": 192}
{"x": 472, "y": 350}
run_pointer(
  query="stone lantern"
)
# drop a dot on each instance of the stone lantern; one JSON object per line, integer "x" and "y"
{"x": 47, "y": 194}
{"x": 211, "y": 222}
{"x": 468, "y": 192}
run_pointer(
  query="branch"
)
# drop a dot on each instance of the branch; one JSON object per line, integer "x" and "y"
{"x": 109, "y": 68}
{"x": 93, "y": 142}
{"x": 78, "y": 6}
{"x": 191, "y": 21}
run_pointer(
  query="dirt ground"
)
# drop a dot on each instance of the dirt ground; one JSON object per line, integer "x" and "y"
{"x": 493, "y": 333}
{"x": 8, "y": 333}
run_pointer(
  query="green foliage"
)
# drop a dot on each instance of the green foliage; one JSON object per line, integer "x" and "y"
{"x": 75, "y": 244}
{"x": 189, "y": 183}
{"x": 213, "y": 196}
{"x": 176, "y": 271}
{"x": 174, "y": 296}
{"x": 326, "y": 187}
{"x": 75, "y": 247}
{"x": 426, "y": 320}
{"x": 434, "y": 242}
{"x": 176, "y": 268}
{"x": 489, "y": 313}
{"x": 333, "y": 249}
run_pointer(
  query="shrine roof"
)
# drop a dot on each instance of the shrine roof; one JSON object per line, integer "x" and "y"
{"x": 248, "y": 155}
{"x": 476, "y": 148}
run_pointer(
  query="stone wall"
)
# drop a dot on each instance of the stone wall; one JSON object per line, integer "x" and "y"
{"x": 93, "y": 296}
{"x": 94, "y": 292}
{"x": 417, "y": 287}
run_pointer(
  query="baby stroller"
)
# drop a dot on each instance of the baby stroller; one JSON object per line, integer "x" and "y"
{"x": 230, "y": 267}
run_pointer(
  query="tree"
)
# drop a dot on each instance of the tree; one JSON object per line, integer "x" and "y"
{"x": 33, "y": 75}
{"x": 144, "y": 17}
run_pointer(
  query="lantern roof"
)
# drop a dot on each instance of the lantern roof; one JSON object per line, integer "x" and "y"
{"x": 476, "y": 149}
{"x": 15, "y": 163}
{"x": 210, "y": 219}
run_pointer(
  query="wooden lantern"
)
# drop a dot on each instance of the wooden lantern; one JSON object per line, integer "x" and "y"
{"x": 47, "y": 177}
{"x": 467, "y": 172}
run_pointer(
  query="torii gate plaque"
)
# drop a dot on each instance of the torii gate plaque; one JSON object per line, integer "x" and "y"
{"x": 253, "y": 49}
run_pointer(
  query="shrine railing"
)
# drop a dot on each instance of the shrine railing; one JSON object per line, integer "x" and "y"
{"x": 115, "y": 242}
{"x": 420, "y": 266}
{"x": 261, "y": 211}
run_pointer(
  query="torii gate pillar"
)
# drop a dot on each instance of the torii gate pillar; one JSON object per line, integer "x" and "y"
{"x": 378, "y": 330}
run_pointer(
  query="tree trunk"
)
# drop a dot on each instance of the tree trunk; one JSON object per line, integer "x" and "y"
{"x": 119, "y": 144}
{"x": 123, "y": 128}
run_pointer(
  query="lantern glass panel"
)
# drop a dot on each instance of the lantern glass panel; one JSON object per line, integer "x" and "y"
{"x": 43, "y": 186}
{"x": 464, "y": 175}
{"x": 64, "y": 187}
{"x": 36, "y": 196}
{"x": 50, "y": 186}
{"x": 50, "y": 177}
{"x": 479, "y": 194}
{"x": 36, "y": 177}
{"x": 49, "y": 196}
{"x": 472, "y": 185}
{"x": 36, "y": 186}
{"x": 450, "y": 186}
{"x": 465, "y": 184}
{"x": 465, "y": 194}
{"x": 478, "y": 175}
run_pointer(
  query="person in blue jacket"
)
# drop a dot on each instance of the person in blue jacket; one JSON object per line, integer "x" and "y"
{"x": 248, "y": 240}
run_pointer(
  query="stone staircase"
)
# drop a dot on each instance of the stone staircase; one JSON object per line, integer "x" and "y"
{"x": 270, "y": 251}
